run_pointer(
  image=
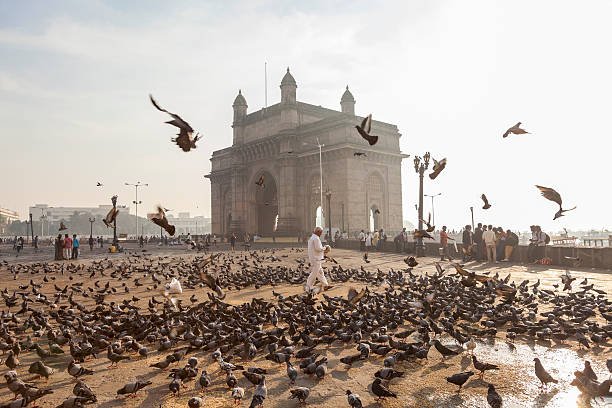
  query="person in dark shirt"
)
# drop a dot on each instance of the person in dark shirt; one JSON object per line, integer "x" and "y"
{"x": 478, "y": 242}
{"x": 511, "y": 243}
{"x": 468, "y": 243}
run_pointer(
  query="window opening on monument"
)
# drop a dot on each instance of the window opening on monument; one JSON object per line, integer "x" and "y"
{"x": 267, "y": 206}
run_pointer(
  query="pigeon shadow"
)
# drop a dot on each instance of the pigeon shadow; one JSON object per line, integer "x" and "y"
{"x": 476, "y": 382}
{"x": 340, "y": 375}
{"x": 436, "y": 367}
{"x": 465, "y": 362}
{"x": 544, "y": 397}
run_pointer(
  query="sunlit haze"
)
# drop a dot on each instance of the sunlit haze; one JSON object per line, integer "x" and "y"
{"x": 453, "y": 76}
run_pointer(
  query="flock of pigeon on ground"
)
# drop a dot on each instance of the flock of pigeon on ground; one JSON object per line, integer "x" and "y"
{"x": 394, "y": 320}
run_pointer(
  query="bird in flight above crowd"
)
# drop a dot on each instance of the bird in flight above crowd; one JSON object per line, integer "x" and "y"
{"x": 98, "y": 184}
{"x": 110, "y": 217}
{"x": 486, "y": 205}
{"x": 62, "y": 226}
{"x": 516, "y": 129}
{"x": 437, "y": 168}
{"x": 260, "y": 182}
{"x": 552, "y": 195}
{"x": 430, "y": 228}
{"x": 161, "y": 220}
{"x": 185, "y": 139}
{"x": 365, "y": 128}
{"x": 357, "y": 154}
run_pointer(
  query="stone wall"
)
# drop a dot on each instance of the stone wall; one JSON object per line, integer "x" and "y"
{"x": 600, "y": 258}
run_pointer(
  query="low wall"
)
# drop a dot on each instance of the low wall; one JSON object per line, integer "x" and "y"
{"x": 599, "y": 257}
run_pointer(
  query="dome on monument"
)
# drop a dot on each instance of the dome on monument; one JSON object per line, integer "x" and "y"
{"x": 239, "y": 101}
{"x": 347, "y": 96}
{"x": 288, "y": 79}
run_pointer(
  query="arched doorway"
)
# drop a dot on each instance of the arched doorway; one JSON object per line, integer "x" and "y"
{"x": 266, "y": 204}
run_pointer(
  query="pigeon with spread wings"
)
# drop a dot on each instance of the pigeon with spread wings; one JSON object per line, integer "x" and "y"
{"x": 110, "y": 217}
{"x": 161, "y": 220}
{"x": 552, "y": 195}
{"x": 430, "y": 228}
{"x": 260, "y": 182}
{"x": 437, "y": 168}
{"x": 486, "y": 205}
{"x": 365, "y": 128}
{"x": 516, "y": 129}
{"x": 62, "y": 226}
{"x": 185, "y": 139}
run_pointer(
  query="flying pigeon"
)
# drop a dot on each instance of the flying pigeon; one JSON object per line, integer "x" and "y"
{"x": 161, "y": 220}
{"x": 516, "y": 129}
{"x": 185, "y": 139}
{"x": 365, "y": 128}
{"x": 552, "y": 195}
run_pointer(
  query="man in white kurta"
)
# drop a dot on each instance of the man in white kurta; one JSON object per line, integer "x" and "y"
{"x": 316, "y": 252}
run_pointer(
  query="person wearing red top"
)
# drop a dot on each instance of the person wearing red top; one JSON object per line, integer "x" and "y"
{"x": 67, "y": 247}
{"x": 444, "y": 244}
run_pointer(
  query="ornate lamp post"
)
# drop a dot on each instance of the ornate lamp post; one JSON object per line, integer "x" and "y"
{"x": 472, "y": 211}
{"x": 329, "y": 224}
{"x": 91, "y": 221}
{"x": 115, "y": 240}
{"x": 139, "y": 184}
{"x": 420, "y": 166}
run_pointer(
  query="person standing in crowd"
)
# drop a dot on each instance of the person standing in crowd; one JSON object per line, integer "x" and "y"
{"x": 512, "y": 241}
{"x": 375, "y": 239}
{"x": 141, "y": 241}
{"x": 91, "y": 243}
{"x": 75, "y": 247}
{"x": 532, "y": 250}
{"x": 467, "y": 241}
{"x": 233, "y": 241}
{"x": 478, "y": 242}
{"x": 368, "y": 241}
{"x": 444, "y": 244}
{"x": 59, "y": 246}
{"x": 397, "y": 240}
{"x": 500, "y": 238}
{"x": 362, "y": 240}
{"x": 316, "y": 253}
{"x": 19, "y": 245}
{"x": 67, "y": 247}
{"x": 35, "y": 242}
{"x": 488, "y": 237}
{"x": 382, "y": 238}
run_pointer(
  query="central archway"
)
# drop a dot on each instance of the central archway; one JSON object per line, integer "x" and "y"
{"x": 266, "y": 204}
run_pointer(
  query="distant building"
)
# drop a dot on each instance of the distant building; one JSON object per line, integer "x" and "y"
{"x": 56, "y": 214}
{"x": 6, "y": 218}
{"x": 185, "y": 224}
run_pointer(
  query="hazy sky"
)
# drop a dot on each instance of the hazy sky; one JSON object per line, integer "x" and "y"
{"x": 453, "y": 75}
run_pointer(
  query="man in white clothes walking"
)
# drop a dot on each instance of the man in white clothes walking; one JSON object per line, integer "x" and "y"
{"x": 316, "y": 252}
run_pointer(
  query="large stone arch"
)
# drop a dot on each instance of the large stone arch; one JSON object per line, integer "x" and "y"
{"x": 264, "y": 202}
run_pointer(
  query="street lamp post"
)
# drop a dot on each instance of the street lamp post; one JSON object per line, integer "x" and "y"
{"x": 42, "y": 222}
{"x": 115, "y": 240}
{"x": 139, "y": 184}
{"x": 32, "y": 229}
{"x": 433, "y": 211}
{"x": 329, "y": 224}
{"x": 91, "y": 221}
{"x": 472, "y": 211}
{"x": 420, "y": 166}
